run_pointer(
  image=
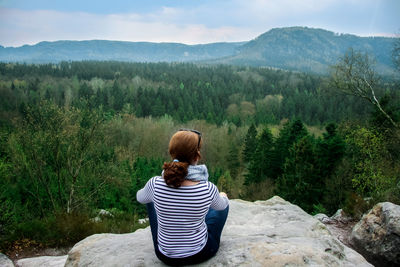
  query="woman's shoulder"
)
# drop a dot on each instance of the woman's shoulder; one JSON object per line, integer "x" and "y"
{"x": 153, "y": 180}
{"x": 210, "y": 185}
{"x": 156, "y": 178}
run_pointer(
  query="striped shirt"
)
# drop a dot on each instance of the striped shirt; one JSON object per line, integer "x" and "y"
{"x": 181, "y": 213}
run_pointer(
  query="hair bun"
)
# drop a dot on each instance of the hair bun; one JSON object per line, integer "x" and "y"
{"x": 175, "y": 173}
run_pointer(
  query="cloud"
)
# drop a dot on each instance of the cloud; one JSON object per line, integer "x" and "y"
{"x": 198, "y": 21}
{"x": 29, "y": 27}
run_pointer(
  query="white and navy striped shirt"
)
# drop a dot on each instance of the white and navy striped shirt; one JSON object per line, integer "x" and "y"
{"x": 181, "y": 213}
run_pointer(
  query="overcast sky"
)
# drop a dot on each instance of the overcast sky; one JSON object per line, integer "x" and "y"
{"x": 187, "y": 21}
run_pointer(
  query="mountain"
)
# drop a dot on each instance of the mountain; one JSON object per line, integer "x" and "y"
{"x": 294, "y": 48}
{"x": 52, "y": 52}
{"x": 309, "y": 50}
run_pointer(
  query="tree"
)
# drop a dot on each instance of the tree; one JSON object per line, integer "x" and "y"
{"x": 58, "y": 158}
{"x": 250, "y": 143}
{"x": 354, "y": 75}
{"x": 373, "y": 175}
{"x": 329, "y": 151}
{"x": 300, "y": 183}
{"x": 260, "y": 166}
{"x": 290, "y": 133}
{"x": 233, "y": 161}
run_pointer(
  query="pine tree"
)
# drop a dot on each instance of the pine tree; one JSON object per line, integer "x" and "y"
{"x": 330, "y": 151}
{"x": 260, "y": 165}
{"x": 250, "y": 143}
{"x": 290, "y": 133}
{"x": 233, "y": 161}
{"x": 300, "y": 183}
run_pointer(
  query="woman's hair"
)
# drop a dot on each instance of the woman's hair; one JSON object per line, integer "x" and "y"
{"x": 184, "y": 147}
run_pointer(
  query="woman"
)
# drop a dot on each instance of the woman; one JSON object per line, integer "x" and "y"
{"x": 186, "y": 211}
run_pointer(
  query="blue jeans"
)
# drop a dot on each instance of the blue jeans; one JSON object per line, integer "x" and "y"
{"x": 215, "y": 220}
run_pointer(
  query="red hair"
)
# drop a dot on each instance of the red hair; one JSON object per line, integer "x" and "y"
{"x": 184, "y": 146}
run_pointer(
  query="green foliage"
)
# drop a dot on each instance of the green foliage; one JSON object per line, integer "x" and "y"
{"x": 318, "y": 208}
{"x": 250, "y": 143}
{"x": 142, "y": 170}
{"x": 225, "y": 184}
{"x": 233, "y": 161}
{"x": 82, "y": 136}
{"x": 300, "y": 182}
{"x": 338, "y": 186}
{"x": 355, "y": 75}
{"x": 219, "y": 93}
{"x": 64, "y": 229}
{"x": 57, "y": 158}
{"x": 371, "y": 158}
{"x": 290, "y": 134}
{"x": 330, "y": 150}
{"x": 356, "y": 206}
{"x": 260, "y": 166}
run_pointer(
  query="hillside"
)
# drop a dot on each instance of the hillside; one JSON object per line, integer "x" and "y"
{"x": 45, "y": 52}
{"x": 309, "y": 50}
{"x": 294, "y": 48}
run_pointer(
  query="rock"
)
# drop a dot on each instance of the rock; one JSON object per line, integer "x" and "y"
{"x": 102, "y": 214}
{"x": 44, "y": 261}
{"x": 340, "y": 216}
{"x": 340, "y": 225}
{"x": 105, "y": 213}
{"x": 143, "y": 221}
{"x": 322, "y": 217}
{"x": 377, "y": 235}
{"x": 5, "y": 261}
{"x": 96, "y": 219}
{"x": 261, "y": 233}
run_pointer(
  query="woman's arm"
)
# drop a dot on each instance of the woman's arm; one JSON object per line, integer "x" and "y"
{"x": 145, "y": 195}
{"x": 219, "y": 200}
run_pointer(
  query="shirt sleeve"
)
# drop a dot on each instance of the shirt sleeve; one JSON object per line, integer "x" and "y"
{"x": 217, "y": 202}
{"x": 145, "y": 195}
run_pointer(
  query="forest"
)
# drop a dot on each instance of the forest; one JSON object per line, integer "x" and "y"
{"x": 77, "y": 137}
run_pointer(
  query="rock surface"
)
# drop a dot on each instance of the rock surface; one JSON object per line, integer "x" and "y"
{"x": 340, "y": 216}
{"x": 44, "y": 261}
{"x": 5, "y": 261}
{"x": 261, "y": 233}
{"x": 377, "y": 235}
{"x": 340, "y": 225}
{"x": 322, "y": 217}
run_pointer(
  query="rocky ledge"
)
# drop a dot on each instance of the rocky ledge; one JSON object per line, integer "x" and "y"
{"x": 377, "y": 235}
{"x": 262, "y": 233}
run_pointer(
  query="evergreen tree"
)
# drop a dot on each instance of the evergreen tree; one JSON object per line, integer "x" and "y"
{"x": 233, "y": 161}
{"x": 260, "y": 165}
{"x": 250, "y": 143}
{"x": 290, "y": 133}
{"x": 300, "y": 183}
{"x": 330, "y": 151}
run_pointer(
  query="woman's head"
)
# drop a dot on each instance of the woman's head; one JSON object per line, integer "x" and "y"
{"x": 184, "y": 148}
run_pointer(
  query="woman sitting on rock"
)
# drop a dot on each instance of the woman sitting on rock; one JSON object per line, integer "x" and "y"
{"x": 186, "y": 211}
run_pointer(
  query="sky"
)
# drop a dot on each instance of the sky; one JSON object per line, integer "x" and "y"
{"x": 188, "y": 21}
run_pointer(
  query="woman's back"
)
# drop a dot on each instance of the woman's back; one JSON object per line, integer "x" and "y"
{"x": 186, "y": 212}
{"x": 182, "y": 230}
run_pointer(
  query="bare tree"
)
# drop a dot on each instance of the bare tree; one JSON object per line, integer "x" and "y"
{"x": 354, "y": 75}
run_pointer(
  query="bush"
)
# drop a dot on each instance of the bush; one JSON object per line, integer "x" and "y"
{"x": 65, "y": 229}
{"x": 356, "y": 206}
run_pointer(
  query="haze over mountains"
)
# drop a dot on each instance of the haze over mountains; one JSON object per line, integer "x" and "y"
{"x": 293, "y": 48}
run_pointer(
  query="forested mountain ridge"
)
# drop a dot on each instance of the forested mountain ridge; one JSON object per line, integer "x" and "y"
{"x": 309, "y": 50}
{"x": 52, "y": 52}
{"x": 294, "y": 48}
